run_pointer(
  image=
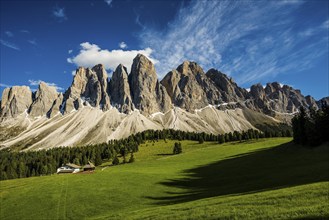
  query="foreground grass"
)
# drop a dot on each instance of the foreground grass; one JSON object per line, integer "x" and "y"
{"x": 256, "y": 179}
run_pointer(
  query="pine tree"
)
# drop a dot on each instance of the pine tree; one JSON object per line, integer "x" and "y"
{"x": 177, "y": 148}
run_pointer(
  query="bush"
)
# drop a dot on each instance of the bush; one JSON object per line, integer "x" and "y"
{"x": 177, "y": 148}
{"x": 132, "y": 158}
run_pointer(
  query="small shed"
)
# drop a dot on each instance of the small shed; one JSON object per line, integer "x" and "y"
{"x": 89, "y": 167}
{"x": 69, "y": 168}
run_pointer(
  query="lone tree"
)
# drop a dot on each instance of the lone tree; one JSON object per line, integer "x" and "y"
{"x": 177, "y": 148}
{"x": 201, "y": 140}
{"x": 115, "y": 160}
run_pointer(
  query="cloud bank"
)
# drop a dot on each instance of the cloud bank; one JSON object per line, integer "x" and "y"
{"x": 91, "y": 55}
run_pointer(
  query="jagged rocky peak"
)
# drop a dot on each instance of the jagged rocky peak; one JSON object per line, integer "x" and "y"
{"x": 44, "y": 98}
{"x": 189, "y": 68}
{"x": 323, "y": 101}
{"x": 279, "y": 99}
{"x": 147, "y": 94}
{"x": 257, "y": 91}
{"x": 89, "y": 86}
{"x": 15, "y": 100}
{"x": 272, "y": 87}
{"x": 190, "y": 88}
{"x": 311, "y": 101}
{"x": 120, "y": 91}
{"x": 229, "y": 90}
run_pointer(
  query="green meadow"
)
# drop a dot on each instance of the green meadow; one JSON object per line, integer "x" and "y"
{"x": 263, "y": 179}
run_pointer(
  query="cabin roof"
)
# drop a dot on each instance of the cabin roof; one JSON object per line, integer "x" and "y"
{"x": 73, "y": 165}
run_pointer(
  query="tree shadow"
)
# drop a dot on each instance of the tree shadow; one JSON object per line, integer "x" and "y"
{"x": 274, "y": 168}
{"x": 165, "y": 154}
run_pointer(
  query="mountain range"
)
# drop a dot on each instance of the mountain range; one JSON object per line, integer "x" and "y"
{"x": 97, "y": 108}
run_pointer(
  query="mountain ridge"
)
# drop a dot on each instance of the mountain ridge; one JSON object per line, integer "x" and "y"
{"x": 187, "y": 98}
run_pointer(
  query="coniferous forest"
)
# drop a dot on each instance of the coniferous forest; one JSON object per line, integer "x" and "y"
{"x": 311, "y": 127}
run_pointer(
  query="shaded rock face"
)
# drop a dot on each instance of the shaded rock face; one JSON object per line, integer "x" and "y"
{"x": 120, "y": 91}
{"x": 274, "y": 98}
{"x": 147, "y": 94}
{"x": 311, "y": 102}
{"x": 88, "y": 86}
{"x": 190, "y": 88}
{"x": 15, "y": 100}
{"x": 229, "y": 90}
{"x": 44, "y": 98}
{"x": 56, "y": 106}
{"x": 323, "y": 101}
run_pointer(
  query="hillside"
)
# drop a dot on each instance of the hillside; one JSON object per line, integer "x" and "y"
{"x": 264, "y": 178}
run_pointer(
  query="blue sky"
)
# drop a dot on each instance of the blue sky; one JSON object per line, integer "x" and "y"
{"x": 252, "y": 41}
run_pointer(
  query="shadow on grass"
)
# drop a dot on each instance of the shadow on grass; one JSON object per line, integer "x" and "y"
{"x": 279, "y": 167}
{"x": 164, "y": 154}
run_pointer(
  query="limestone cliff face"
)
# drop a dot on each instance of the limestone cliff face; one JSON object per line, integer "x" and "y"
{"x": 44, "y": 98}
{"x": 15, "y": 100}
{"x": 102, "y": 77}
{"x": 120, "y": 90}
{"x": 88, "y": 86}
{"x": 189, "y": 87}
{"x": 147, "y": 94}
{"x": 229, "y": 90}
{"x": 56, "y": 106}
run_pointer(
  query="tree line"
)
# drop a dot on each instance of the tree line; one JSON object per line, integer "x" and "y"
{"x": 311, "y": 127}
{"x": 15, "y": 164}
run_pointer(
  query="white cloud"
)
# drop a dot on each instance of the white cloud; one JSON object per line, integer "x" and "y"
{"x": 9, "y": 44}
{"x": 25, "y": 31}
{"x": 5, "y": 85}
{"x": 123, "y": 45}
{"x": 59, "y": 14}
{"x": 37, "y": 82}
{"x": 73, "y": 73}
{"x": 9, "y": 33}
{"x": 325, "y": 24}
{"x": 108, "y": 2}
{"x": 33, "y": 42}
{"x": 91, "y": 55}
{"x": 70, "y": 51}
{"x": 243, "y": 39}
{"x": 289, "y": 2}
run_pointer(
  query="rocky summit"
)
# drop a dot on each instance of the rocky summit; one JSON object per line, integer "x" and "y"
{"x": 147, "y": 93}
{"x": 97, "y": 108}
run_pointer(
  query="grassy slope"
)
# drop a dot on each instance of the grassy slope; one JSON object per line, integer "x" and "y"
{"x": 262, "y": 179}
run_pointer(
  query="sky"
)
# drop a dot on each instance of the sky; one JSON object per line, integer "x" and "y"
{"x": 251, "y": 41}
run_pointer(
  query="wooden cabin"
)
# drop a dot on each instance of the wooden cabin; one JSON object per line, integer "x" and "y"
{"x": 89, "y": 167}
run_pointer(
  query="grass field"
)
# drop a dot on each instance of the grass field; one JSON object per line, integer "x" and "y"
{"x": 263, "y": 179}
